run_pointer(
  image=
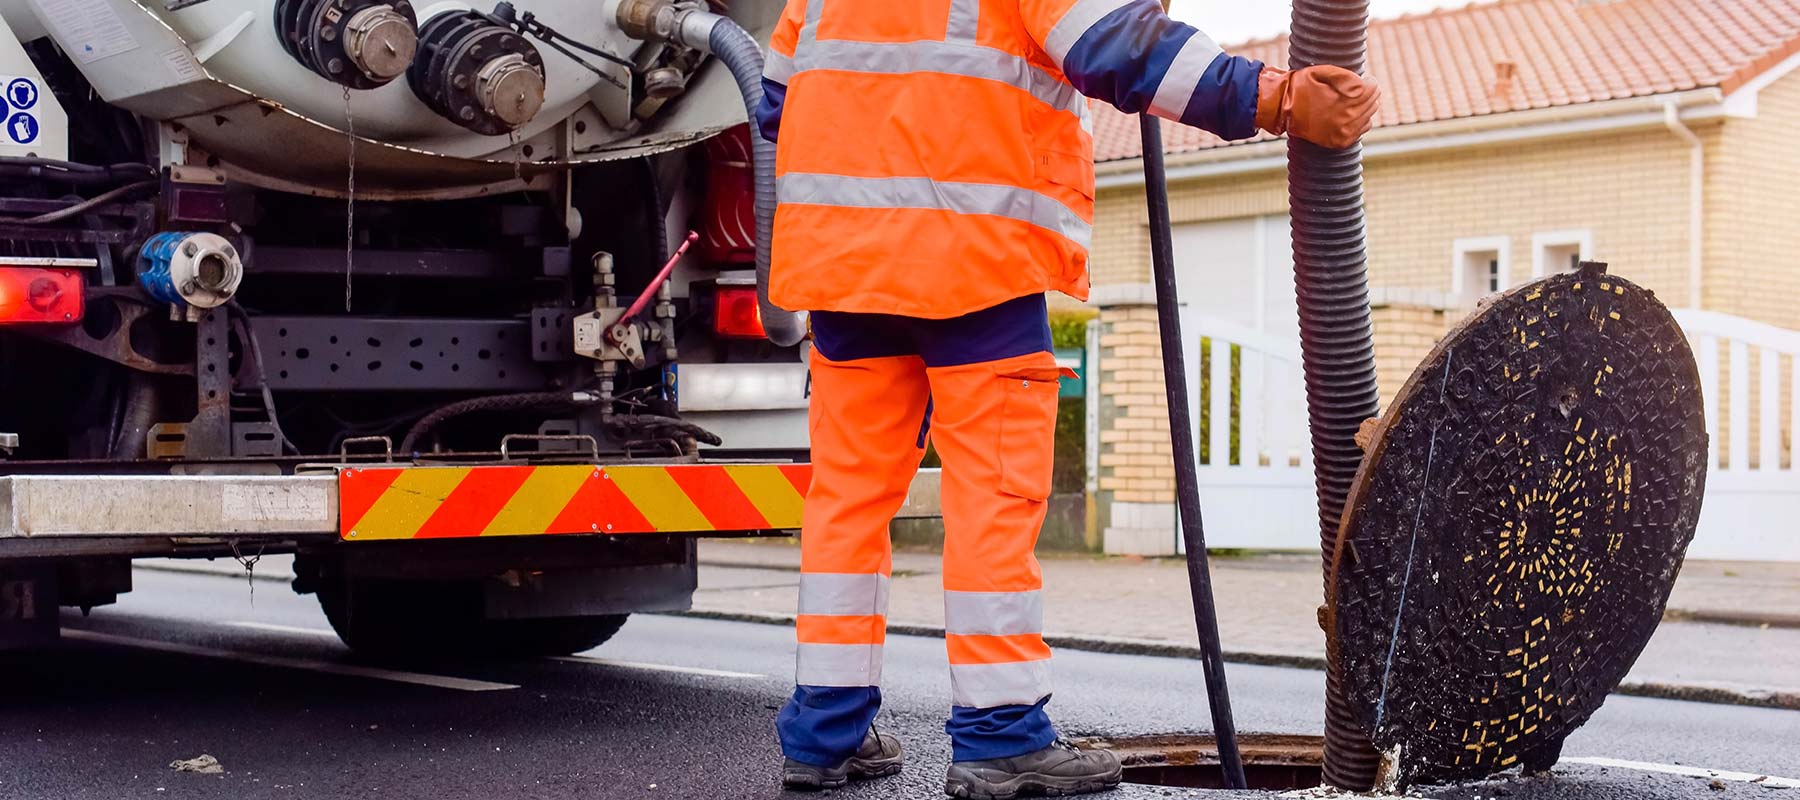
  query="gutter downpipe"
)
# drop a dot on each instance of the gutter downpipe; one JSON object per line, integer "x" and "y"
{"x": 1696, "y": 199}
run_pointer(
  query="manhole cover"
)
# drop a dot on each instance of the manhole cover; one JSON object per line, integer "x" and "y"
{"x": 1272, "y": 761}
{"x": 1515, "y": 530}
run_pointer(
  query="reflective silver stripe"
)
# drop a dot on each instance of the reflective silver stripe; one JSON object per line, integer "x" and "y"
{"x": 1075, "y": 22}
{"x": 990, "y": 685}
{"x": 778, "y": 68}
{"x": 967, "y": 60}
{"x": 838, "y": 665}
{"x": 1183, "y": 77}
{"x": 993, "y": 613}
{"x": 809, "y": 28}
{"x": 965, "y": 21}
{"x": 843, "y": 594}
{"x": 997, "y": 200}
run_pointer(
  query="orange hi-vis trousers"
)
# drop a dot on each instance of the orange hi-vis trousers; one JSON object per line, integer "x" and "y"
{"x": 992, "y": 421}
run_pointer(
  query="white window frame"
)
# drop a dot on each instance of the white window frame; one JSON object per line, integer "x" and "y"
{"x": 1459, "y": 258}
{"x": 1583, "y": 239}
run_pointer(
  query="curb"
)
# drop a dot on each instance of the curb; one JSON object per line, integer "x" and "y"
{"x": 1716, "y": 694}
{"x": 1746, "y": 619}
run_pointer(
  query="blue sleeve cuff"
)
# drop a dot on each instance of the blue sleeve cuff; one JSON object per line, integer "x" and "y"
{"x": 1123, "y": 57}
{"x": 768, "y": 115}
{"x": 1139, "y": 59}
{"x": 1225, "y": 101}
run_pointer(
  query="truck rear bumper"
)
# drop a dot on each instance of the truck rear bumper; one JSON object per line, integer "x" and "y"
{"x": 360, "y": 504}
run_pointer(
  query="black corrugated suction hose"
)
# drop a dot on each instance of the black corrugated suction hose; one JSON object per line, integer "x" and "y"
{"x": 1337, "y": 342}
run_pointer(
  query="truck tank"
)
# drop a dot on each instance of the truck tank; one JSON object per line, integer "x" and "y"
{"x": 429, "y": 99}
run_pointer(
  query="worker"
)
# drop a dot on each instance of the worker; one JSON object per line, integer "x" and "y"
{"x": 935, "y": 178}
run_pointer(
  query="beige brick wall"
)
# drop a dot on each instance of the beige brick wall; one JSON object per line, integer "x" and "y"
{"x": 1753, "y": 211}
{"x": 1136, "y": 462}
{"x": 1404, "y": 335}
{"x": 1629, "y": 190}
{"x": 1753, "y": 233}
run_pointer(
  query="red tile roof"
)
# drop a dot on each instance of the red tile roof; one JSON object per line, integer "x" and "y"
{"x": 1443, "y": 64}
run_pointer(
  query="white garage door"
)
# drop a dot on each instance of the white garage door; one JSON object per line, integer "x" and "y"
{"x": 1240, "y": 270}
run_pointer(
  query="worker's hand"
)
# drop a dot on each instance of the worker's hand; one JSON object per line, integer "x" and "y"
{"x": 1325, "y": 105}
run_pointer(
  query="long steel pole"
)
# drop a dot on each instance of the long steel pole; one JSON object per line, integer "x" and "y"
{"x": 1325, "y": 194}
{"x": 1181, "y": 435}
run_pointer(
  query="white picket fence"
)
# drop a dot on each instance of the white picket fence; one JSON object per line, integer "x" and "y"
{"x": 1752, "y": 506}
{"x": 1265, "y": 500}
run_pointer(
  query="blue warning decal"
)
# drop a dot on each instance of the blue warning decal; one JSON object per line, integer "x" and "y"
{"x": 22, "y": 93}
{"x": 22, "y": 128}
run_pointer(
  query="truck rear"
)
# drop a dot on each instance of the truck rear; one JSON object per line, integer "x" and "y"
{"x": 405, "y": 291}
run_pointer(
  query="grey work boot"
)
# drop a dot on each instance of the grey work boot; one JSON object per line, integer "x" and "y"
{"x": 878, "y": 757}
{"x": 1058, "y": 770}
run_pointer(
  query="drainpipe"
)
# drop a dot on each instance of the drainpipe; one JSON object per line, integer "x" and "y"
{"x": 1696, "y": 198}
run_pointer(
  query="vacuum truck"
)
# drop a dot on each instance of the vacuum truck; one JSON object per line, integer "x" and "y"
{"x": 403, "y": 287}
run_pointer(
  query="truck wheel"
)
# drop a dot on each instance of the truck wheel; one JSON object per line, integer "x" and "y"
{"x": 422, "y": 621}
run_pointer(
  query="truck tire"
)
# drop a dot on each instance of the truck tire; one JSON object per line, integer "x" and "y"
{"x": 427, "y": 621}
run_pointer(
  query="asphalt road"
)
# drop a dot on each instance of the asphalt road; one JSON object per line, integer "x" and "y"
{"x": 672, "y": 708}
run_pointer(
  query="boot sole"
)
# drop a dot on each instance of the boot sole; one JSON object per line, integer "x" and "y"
{"x": 854, "y": 771}
{"x": 1030, "y": 784}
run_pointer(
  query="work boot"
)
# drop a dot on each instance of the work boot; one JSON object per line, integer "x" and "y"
{"x": 1058, "y": 770}
{"x": 878, "y": 757}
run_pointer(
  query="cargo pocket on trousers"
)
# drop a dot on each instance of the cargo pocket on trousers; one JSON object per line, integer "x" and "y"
{"x": 1028, "y": 432}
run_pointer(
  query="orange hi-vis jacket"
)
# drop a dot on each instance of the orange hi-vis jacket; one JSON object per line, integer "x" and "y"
{"x": 935, "y": 157}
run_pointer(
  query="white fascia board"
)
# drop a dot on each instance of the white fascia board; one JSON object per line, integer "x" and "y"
{"x": 1742, "y": 103}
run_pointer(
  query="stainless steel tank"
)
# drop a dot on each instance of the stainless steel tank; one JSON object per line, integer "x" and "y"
{"x": 433, "y": 99}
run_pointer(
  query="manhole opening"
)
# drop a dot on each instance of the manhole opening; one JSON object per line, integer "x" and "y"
{"x": 1271, "y": 761}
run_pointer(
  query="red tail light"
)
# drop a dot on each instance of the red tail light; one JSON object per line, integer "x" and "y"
{"x": 39, "y": 295}
{"x": 737, "y": 316}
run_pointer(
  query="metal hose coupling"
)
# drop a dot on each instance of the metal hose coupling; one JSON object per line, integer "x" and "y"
{"x": 720, "y": 37}
{"x": 1325, "y": 193}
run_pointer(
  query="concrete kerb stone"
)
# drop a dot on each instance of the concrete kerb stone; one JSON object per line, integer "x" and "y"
{"x": 1717, "y": 694}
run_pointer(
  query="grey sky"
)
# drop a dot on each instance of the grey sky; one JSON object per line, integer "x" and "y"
{"x": 1229, "y": 21}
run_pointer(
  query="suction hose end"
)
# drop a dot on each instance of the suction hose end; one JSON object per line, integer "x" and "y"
{"x": 739, "y": 52}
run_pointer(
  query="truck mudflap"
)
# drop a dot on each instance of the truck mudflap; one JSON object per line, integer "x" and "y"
{"x": 460, "y": 502}
{"x": 389, "y": 502}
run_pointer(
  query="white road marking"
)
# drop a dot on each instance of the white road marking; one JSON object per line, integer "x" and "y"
{"x": 330, "y": 667}
{"x": 1693, "y": 772}
{"x": 608, "y": 662}
{"x": 270, "y": 626}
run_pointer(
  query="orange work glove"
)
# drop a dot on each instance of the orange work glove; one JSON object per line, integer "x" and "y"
{"x": 1325, "y": 105}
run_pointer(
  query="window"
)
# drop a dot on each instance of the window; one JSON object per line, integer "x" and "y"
{"x": 1560, "y": 251}
{"x": 1479, "y": 267}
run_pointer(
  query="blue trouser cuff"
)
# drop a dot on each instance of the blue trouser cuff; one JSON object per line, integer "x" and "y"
{"x": 824, "y": 725}
{"x": 979, "y": 734}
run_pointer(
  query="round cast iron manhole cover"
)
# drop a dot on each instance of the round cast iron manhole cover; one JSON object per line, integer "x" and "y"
{"x": 1515, "y": 530}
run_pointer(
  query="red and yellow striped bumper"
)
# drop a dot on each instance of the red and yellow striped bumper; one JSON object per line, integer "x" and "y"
{"x": 386, "y": 503}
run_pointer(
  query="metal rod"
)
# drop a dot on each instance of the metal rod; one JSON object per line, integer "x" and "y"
{"x": 1325, "y": 197}
{"x": 1181, "y": 435}
{"x": 650, "y": 291}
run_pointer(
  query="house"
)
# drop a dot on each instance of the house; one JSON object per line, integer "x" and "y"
{"x": 1516, "y": 138}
